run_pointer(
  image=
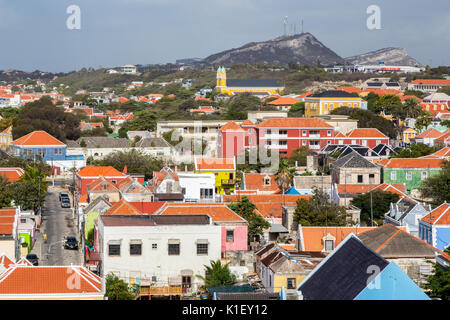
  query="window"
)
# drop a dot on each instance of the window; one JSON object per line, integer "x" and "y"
{"x": 230, "y": 235}
{"x": 341, "y": 142}
{"x": 154, "y": 246}
{"x": 202, "y": 248}
{"x": 393, "y": 175}
{"x": 371, "y": 178}
{"x": 23, "y": 220}
{"x": 269, "y": 132}
{"x": 364, "y": 143}
{"x": 424, "y": 175}
{"x": 183, "y": 191}
{"x": 329, "y": 245}
{"x": 283, "y": 132}
{"x": 268, "y": 143}
{"x": 283, "y": 143}
{"x": 360, "y": 178}
{"x": 291, "y": 283}
{"x": 114, "y": 181}
{"x": 114, "y": 250}
{"x": 206, "y": 193}
{"x": 304, "y": 133}
{"x": 135, "y": 248}
{"x": 329, "y": 133}
{"x": 329, "y": 142}
{"x": 378, "y": 142}
{"x": 266, "y": 181}
{"x": 174, "y": 247}
{"x": 154, "y": 278}
{"x": 353, "y": 141}
{"x": 304, "y": 143}
{"x": 242, "y": 263}
{"x": 408, "y": 175}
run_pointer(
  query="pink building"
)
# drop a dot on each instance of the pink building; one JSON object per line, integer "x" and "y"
{"x": 234, "y": 227}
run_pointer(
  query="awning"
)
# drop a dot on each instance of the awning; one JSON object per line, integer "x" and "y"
{"x": 278, "y": 228}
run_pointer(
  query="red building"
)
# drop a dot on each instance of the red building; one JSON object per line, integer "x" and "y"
{"x": 91, "y": 173}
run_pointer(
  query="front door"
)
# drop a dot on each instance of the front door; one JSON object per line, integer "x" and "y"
{"x": 186, "y": 284}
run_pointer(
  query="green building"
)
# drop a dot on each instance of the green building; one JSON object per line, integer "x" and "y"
{"x": 409, "y": 171}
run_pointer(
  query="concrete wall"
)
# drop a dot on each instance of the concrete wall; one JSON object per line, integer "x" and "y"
{"x": 8, "y": 247}
{"x": 350, "y": 175}
{"x": 240, "y": 238}
{"x": 310, "y": 182}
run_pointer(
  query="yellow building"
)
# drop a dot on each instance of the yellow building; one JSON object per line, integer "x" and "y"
{"x": 408, "y": 134}
{"x": 233, "y": 86}
{"x": 6, "y": 138}
{"x": 224, "y": 170}
{"x": 322, "y": 103}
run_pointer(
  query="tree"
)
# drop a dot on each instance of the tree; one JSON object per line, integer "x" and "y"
{"x": 143, "y": 120}
{"x": 415, "y": 150}
{"x": 117, "y": 289}
{"x": 26, "y": 195}
{"x": 319, "y": 211}
{"x": 381, "y": 202}
{"x": 256, "y": 223}
{"x": 411, "y": 108}
{"x": 297, "y": 110}
{"x": 5, "y": 192}
{"x": 218, "y": 274}
{"x": 299, "y": 155}
{"x": 285, "y": 175}
{"x": 439, "y": 283}
{"x": 423, "y": 121}
{"x": 389, "y": 103}
{"x": 437, "y": 187}
{"x": 238, "y": 107}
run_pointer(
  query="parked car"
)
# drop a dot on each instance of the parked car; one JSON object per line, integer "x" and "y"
{"x": 63, "y": 194}
{"x": 65, "y": 203}
{"x": 71, "y": 243}
{"x": 33, "y": 258}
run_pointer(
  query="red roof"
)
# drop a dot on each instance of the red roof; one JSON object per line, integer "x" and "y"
{"x": 440, "y": 215}
{"x": 95, "y": 171}
{"x": 365, "y": 133}
{"x": 294, "y": 123}
{"x": 12, "y": 174}
{"x": 247, "y": 123}
{"x": 350, "y": 89}
{"x": 431, "y": 81}
{"x": 430, "y": 133}
{"x": 38, "y": 138}
{"x": 123, "y": 207}
{"x": 215, "y": 164}
{"x": 231, "y": 126}
{"x": 5, "y": 261}
{"x": 49, "y": 280}
{"x": 304, "y": 95}
{"x": 257, "y": 181}
{"x": 283, "y": 101}
{"x": 219, "y": 212}
{"x": 411, "y": 163}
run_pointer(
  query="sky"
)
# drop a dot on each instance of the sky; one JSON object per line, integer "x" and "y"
{"x": 35, "y": 36}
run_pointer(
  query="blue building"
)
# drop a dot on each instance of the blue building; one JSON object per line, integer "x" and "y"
{"x": 434, "y": 228}
{"x": 41, "y": 145}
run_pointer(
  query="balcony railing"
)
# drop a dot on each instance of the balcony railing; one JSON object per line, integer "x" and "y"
{"x": 314, "y": 146}
{"x": 275, "y": 136}
{"x": 229, "y": 181}
{"x": 276, "y": 146}
{"x": 314, "y": 136}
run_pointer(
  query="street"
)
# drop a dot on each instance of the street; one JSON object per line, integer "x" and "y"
{"x": 57, "y": 223}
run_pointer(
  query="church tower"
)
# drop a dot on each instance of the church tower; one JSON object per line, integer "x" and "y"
{"x": 221, "y": 78}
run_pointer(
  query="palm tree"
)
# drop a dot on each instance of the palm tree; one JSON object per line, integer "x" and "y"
{"x": 218, "y": 274}
{"x": 285, "y": 175}
{"x": 411, "y": 108}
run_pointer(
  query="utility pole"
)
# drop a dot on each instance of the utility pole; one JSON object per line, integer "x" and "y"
{"x": 371, "y": 207}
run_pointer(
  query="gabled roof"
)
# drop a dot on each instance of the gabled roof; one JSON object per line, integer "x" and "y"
{"x": 101, "y": 184}
{"x": 96, "y": 171}
{"x": 247, "y": 123}
{"x": 353, "y": 160}
{"x": 311, "y": 237}
{"x": 366, "y": 133}
{"x": 431, "y": 81}
{"x": 219, "y": 212}
{"x": 24, "y": 262}
{"x": 123, "y": 207}
{"x": 410, "y": 163}
{"x": 439, "y": 216}
{"x": 256, "y": 181}
{"x": 23, "y": 280}
{"x": 37, "y": 138}
{"x": 392, "y": 242}
{"x": 294, "y": 123}
{"x": 12, "y": 174}
{"x": 284, "y": 101}
{"x": 5, "y": 261}
{"x": 231, "y": 126}
{"x": 343, "y": 274}
{"x": 215, "y": 164}
{"x": 442, "y": 153}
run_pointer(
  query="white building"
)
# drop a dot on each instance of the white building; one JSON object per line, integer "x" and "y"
{"x": 161, "y": 250}
{"x": 197, "y": 187}
{"x": 128, "y": 69}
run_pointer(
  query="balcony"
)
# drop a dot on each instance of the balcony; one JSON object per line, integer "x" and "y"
{"x": 276, "y": 146}
{"x": 275, "y": 136}
{"x": 228, "y": 182}
{"x": 314, "y": 136}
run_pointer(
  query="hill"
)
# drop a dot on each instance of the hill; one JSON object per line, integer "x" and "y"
{"x": 390, "y": 56}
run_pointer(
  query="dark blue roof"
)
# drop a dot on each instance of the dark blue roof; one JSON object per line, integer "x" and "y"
{"x": 333, "y": 94}
{"x": 252, "y": 83}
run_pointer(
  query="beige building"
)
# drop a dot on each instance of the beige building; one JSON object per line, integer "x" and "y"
{"x": 354, "y": 169}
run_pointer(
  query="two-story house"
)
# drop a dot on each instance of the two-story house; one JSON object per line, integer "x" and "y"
{"x": 434, "y": 228}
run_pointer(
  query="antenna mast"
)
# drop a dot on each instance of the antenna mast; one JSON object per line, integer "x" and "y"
{"x": 285, "y": 22}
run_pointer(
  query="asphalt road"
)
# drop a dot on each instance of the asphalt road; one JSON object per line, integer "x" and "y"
{"x": 57, "y": 224}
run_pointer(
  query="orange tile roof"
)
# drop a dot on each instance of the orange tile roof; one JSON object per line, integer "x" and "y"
{"x": 411, "y": 163}
{"x": 24, "y": 262}
{"x": 231, "y": 126}
{"x": 256, "y": 181}
{"x": 247, "y": 123}
{"x": 445, "y": 136}
{"x": 410, "y": 97}
{"x": 365, "y": 133}
{"x": 430, "y": 133}
{"x": 83, "y": 198}
{"x": 304, "y": 95}
{"x": 350, "y": 89}
{"x": 339, "y": 135}
{"x": 122, "y": 99}
{"x": 269, "y": 205}
{"x": 431, "y": 81}
{"x": 215, "y": 164}
{"x": 311, "y": 237}
{"x": 100, "y": 183}
{"x": 444, "y": 152}
{"x": 12, "y": 174}
{"x": 96, "y": 171}
{"x": 38, "y": 138}
{"x": 123, "y": 207}
{"x": 294, "y": 123}
{"x": 283, "y": 101}
{"x": 5, "y": 261}
{"x": 219, "y": 212}
{"x": 48, "y": 280}
{"x": 8, "y": 130}
{"x": 440, "y": 215}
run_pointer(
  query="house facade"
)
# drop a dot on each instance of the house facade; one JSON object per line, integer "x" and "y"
{"x": 224, "y": 170}
{"x": 407, "y": 212}
{"x": 323, "y": 103}
{"x": 434, "y": 228}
